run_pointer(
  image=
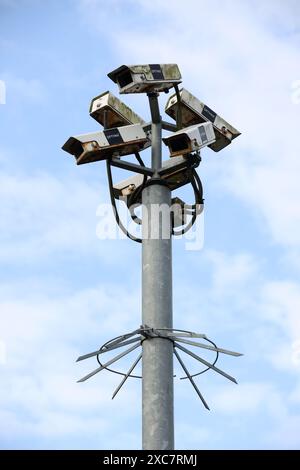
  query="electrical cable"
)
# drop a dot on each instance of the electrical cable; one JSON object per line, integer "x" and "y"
{"x": 113, "y": 203}
{"x": 198, "y": 192}
{"x": 132, "y": 202}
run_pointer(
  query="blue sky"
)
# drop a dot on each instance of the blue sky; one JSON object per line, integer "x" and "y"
{"x": 63, "y": 291}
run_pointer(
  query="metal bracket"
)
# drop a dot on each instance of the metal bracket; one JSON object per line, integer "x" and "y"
{"x": 147, "y": 333}
{"x": 144, "y": 170}
{"x": 181, "y": 163}
{"x": 169, "y": 126}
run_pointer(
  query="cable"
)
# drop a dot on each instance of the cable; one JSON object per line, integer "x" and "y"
{"x": 134, "y": 196}
{"x": 113, "y": 203}
{"x": 198, "y": 192}
{"x": 133, "y": 215}
{"x": 194, "y": 216}
{"x": 139, "y": 159}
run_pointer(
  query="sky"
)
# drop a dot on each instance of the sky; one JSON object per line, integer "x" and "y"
{"x": 64, "y": 290}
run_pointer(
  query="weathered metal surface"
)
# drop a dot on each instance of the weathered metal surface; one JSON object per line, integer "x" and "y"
{"x": 146, "y": 78}
{"x": 195, "y": 111}
{"x": 174, "y": 171}
{"x": 101, "y": 145}
{"x": 118, "y": 113}
{"x": 190, "y": 139}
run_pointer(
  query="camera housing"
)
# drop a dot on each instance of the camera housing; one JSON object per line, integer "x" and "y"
{"x": 195, "y": 111}
{"x": 178, "y": 214}
{"x": 145, "y": 78}
{"x": 176, "y": 172}
{"x": 110, "y": 112}
{"x": 190, "y": 139}
{"x": 101, "y": 145}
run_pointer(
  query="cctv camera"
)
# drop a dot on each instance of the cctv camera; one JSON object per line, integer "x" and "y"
{"x": 126, "y": 187}
{"x": 196, "y": 112}
{"x": 146, "y": 78}
{"x": 178, "y": 212}
{"x": 109, "y": 111}
{"x": 190, "y": 139}
{"x": 175, "y": 171}
{"x": 101, "y": 145}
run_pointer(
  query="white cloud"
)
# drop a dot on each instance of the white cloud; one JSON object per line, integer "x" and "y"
{"x": 231, "y": 272}
{"x": 279, "y": 305}
{"x": 42, "y": 214}
{"x": 260, "y": 413}
{"x": 19, "y": 90}
{"x": 283, "y": 304}
{"x": 285, "y": 435}
{"x": 44, "y": 335}
{"x": 243, "y": 307}
{"x": 245, "y": 398}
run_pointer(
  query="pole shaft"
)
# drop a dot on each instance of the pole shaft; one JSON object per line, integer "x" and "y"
{"x": 156, "y": 146}
{"x": 157, "y": 360}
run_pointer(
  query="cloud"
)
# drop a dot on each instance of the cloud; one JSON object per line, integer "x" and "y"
{"x": 21, "y": 90}
{"x": 283, "y": 300}
{"x": 286, "y": 434}
{"x": 279, "y": 307}
{"x": 239, "y": 303}
{"x": 39, "y": 396}
{"x": 247, "y": 398}
{"x": 231, "y": 271}
{"x": 43, "y": 214}
{"x": 236, "y": 411}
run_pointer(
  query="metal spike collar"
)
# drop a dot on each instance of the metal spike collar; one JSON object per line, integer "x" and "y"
{"x": 146, "y": 333}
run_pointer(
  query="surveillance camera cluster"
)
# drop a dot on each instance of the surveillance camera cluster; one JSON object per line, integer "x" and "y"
{"x": 125, "y": 133}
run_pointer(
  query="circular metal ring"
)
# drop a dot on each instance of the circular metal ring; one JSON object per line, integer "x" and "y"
{"x": 103, "y": 348}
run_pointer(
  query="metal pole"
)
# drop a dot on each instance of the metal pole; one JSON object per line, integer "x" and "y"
{"x": 157, "y": 360}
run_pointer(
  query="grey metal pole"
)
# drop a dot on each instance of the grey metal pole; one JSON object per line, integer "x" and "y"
{"x": 157, "y": 360}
